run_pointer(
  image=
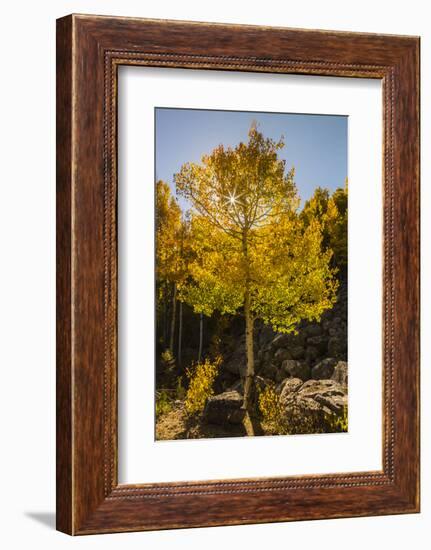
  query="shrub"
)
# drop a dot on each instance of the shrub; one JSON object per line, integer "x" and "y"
{"x": 167, "y": 356}
{"x": 201, "y": 379}
{"x": 180, "y": 391}
{"x": 271, "y": 411}
{"x": 291, "y": 418}
{"x": 339, "y": 423}
{"x": 300, "y": 421}
{"x": 163, "y": 403}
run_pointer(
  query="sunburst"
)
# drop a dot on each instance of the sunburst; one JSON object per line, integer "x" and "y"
{"x": 232, "y": 199}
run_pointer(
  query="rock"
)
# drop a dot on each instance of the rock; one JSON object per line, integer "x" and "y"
{"x": 311, "y": 388}
{"x": 266, "y": 335}
{"x": 225, "y": 381}
{"x": 297, "y": 340}
{"x": 280, "y": 375}
{"x": 311, "y": 354}
{"x": 297, "y": 352}
{"x": 236, "y": 363}
{"x": 295, "y": 369}
{"x": 288, "y": 386}
{"x": 237, "y": 387}
{"x": 318, "y": 342}
{"x": 224, "y": 408}
{"x": 336, "y": 346}
{"x": 313, "y": 330}
{"x": 334, "y": 403}
{"x": 236, "y": 366}
{"x": 310, "y": 408}
{"x": 288, "y": 341}
{"x": 336, "y": 331}
{"x": 326, "y": 325}
{"x": 261, "y": 383}
{"x": 282, "y": 354}
{"x": 257, "y": 366}
{"x": 324, "y": 369}
{"x": 280, "y": 341}
{"x": 269, "y": 370}
{"x": 304, "y": 408}
{"x": 289, "y": 365}
{"x": 340, "y": 373}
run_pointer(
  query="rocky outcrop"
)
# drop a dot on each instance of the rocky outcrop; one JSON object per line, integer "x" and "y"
{"x": 328, "y": 393}
{"x": 323, "y": 369}
{"x": 311, "y": 406}
{"x": 340, "y": 373}
{"x": 312, "y": 343}
{"x": 296, "y": 369}
{"x": 308, "y": 367}
{"x": 282, "y": 354}
{"x": 224, "y": 408}
{"x": 235, "y": 362}
{"x": 288, "y": 387}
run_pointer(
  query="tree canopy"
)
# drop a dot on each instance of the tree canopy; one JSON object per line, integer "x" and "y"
{"x": 331, "y": 212}
{"x": 168, "y": 231}
{"x": 249, "y": 243}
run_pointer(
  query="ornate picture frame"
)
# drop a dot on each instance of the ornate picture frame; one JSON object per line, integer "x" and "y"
{"x": 89, "y": 51}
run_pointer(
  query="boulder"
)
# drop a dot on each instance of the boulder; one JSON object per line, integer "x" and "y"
{"x": 324, "y": 369}
{"x": 311, "y": 354}
{"x": 280, "y": 375}
{"x": 340, "y": 373}
{"x": 297, "y": 339}
{"x": 280, "y": 341}
{"x": 326, "y": 325}
{"x": 265, "y": 336}
{"x": 311, "y": 388}
{"x": 237, "y": 387}
{"x": 313, "y": 330}
{"x": 336, "y": 331}
{"x": 297, "y": 352}
{"x": 296, "y": 369}
{"x": 224, "y": 408}
{"x": 332, "y": 403}
{"x": 282, "y": 354}
{"x": 236, "y": 363}
{"x": 318, "y": 342}
{"x": 267, "y": 356}
{"x": 269, "y": 370}
{"x": 336, "y": 346}
{"x": 288, "y": 341}
{"x": 310, "y": 408}
{"x": 288, "y": 386}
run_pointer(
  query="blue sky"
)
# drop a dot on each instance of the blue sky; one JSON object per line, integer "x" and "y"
{"x": 316, "y": 145}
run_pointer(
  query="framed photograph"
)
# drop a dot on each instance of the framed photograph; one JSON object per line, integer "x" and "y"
{"x": 237, "y": 274}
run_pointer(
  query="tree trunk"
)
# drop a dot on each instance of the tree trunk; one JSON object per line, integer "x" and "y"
{"x": 165, "y": 314}
{"x": 249, "y": 377}
{"x": 180, "y": 333}
{"x": 251, "y": 423}
{"x": 201, "y": 336}
{"x": 174, "y": 312}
